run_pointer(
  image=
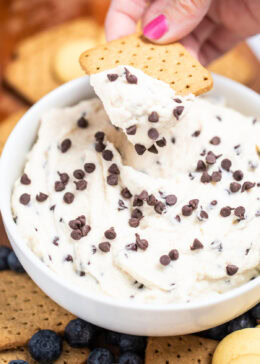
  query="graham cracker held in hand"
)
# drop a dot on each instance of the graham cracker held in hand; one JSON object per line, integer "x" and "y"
{"x": 170, "y": 63}
{"x": 68, "y": 356}
{"x": 24, "y": 309}
{"x": 186, "y": 349}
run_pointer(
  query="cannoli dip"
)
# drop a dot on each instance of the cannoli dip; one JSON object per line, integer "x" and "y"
{"x": 143, "y": 195}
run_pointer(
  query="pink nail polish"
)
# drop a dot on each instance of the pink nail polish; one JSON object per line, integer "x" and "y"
{"x": 156, "y": 28}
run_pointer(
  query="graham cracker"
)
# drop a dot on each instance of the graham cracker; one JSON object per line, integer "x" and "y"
{"x": 170, "y": 63}
{"x": 24, "y": 309}
{"x": 69, "y": 355}
{"x": 7, "y": 125}
{"x": 31, "y": 73}
{"x": 186, "y": 349}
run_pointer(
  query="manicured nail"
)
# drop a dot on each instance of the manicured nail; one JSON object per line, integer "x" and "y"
{"x": 156, "y": 28}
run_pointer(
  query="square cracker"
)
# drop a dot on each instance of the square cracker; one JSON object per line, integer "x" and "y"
{"x": 170, "y": 63}
{"x": 188, "y": 349}
{"x": 24, "y": 309}
{"x": 68, "y": 356}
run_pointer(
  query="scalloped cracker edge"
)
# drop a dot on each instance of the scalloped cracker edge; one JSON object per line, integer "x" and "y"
{"x": 170, "y": 63}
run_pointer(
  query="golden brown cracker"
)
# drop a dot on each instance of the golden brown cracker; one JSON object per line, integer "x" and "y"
{"x": 31, "y": 73}
{"x": 170, "y": 63}
{"x": 186, "y": 349}
{"x": 69, "y": 355}
{"x": 235, "y": 65}
{"x": 7, "y": 125}
{"x": 24, "y": 309}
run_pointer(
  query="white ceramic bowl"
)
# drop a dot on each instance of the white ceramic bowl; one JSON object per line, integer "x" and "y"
{"x": 132, "y": 318}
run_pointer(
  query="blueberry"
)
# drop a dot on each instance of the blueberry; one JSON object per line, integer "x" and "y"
{"x": 100, "y": 356}
{"x": 14, "y": 263}
{"x": 45, "y": 346}
{"x": 4, "y": 252}
{"x": 17, "y": 361}
{"x": 131, "y": 343}
{"x": 255, "y": 312}
{"x": 112, "y": 337}
{"x": 215, "y": 333}
{"x": 79, "y": 333}
{"x": 130, "y": 358}
{"x": 241, "y": 322}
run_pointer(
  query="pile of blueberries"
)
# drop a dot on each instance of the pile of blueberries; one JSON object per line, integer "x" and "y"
{"x": 46, "y": 346}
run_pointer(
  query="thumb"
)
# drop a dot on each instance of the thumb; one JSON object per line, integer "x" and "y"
{"x": 166, "y": 21}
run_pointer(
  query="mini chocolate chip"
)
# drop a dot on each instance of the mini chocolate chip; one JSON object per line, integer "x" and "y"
{"x": 68, "y": 197}
{"x": 140, "y": 149}
{"x": 99, "y": 136}
{"x": 218, "y": 117}
{"x": 82, "y": 219}
{"x": 226, "y": 164}
{"x": 177, "y": 218}
{"x": 131, "y": 246}
{"x": 231, "y": 269}
{"x": 59, "y": 186}
{"x": 234, "y": 187}
{"x": 159, "y": 207}
{"x": 121, "y": 205}
{"x": 107, "y": 155}
{"x": 74, "y": 224}
{"x": 69, "y": 258}
{"x": 130, "y": 77}
{"x": 112, "y": 77}
{"x": 136, "y": 213}
{"x": 52, "y": 208}
{"x": 76, "y": 234}
{"x": 41, "y": 197}
{"x": 110, "y": 233}
{"x": 143, "y": 195}
{"x": 194, "y": 203}
{"x": 171, "y": 200}
{"x": 82, "y": 122}
{"x": 153, "y": 134}
{"x": 134, "y": 222}
{"x": 99, "y": 147}
{"x": 113, "y": 169}
{"x": 196, "y": 133}
{"x": 214, "y": 202}
{"x": 79, "y": 174}
{"x": 137, "y": 201}
{"x": 247, "y": 186}
{"x": 173, "y": 140}
{"x": 211, "y": 158}
{"x": 85, "y": 230}
{"x": 141, "y": 243}
{"x": 174, "y": 254}
{"x": 131, "y": 130}
{"x": 64, "y": 177}
{"x": 25, "y": 198}
{"x": 104, "y": 247}
{"x": 126, "y": 193}
{"x": 65, "y": 145}
{"x": 204, "y": 214}
{"x": 153, "y": 149}
{"x": 178, "y": 111}
{"x": 55, "y": 241}
{"x": 151, "y": 200}
{"x": 112, "y": 179}
{"x": 201, "y": 166}
{"x": 238, "y": 175}
{"x": 203, "y": 153}
{"x": 89, "y": 167}
{"x": 165, "y": 260}
{"x": 153, "y": 117}
{"x": 187, "y": 210}
{"x": 240, "y": 212}
{"x": 225, "y": 211}
{"x": 81, "y": 185}
{"x": 177, "y": 100}
{"x": 196, "y": 245}
{"x": 216, "y": 176}
{"x": 205, "y": 177}
{"x": 161, "y": 143}
{"x": 215, "y": 140}
{"x": 25, "y": 180}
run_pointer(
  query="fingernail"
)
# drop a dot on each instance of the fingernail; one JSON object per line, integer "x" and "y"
{"x": 156, "y": 28}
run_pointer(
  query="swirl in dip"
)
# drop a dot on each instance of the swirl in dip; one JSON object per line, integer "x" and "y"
{"x": 156, "y": 199}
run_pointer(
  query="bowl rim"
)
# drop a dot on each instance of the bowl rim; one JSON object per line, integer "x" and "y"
{"x": 20, "y": 242}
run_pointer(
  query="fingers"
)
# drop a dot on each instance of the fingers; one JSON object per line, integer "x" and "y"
{"x": 166, "y": 21}
{"x": 122, "y": 17}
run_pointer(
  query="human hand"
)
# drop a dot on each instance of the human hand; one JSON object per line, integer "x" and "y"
{"x": 207, "y": 28}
